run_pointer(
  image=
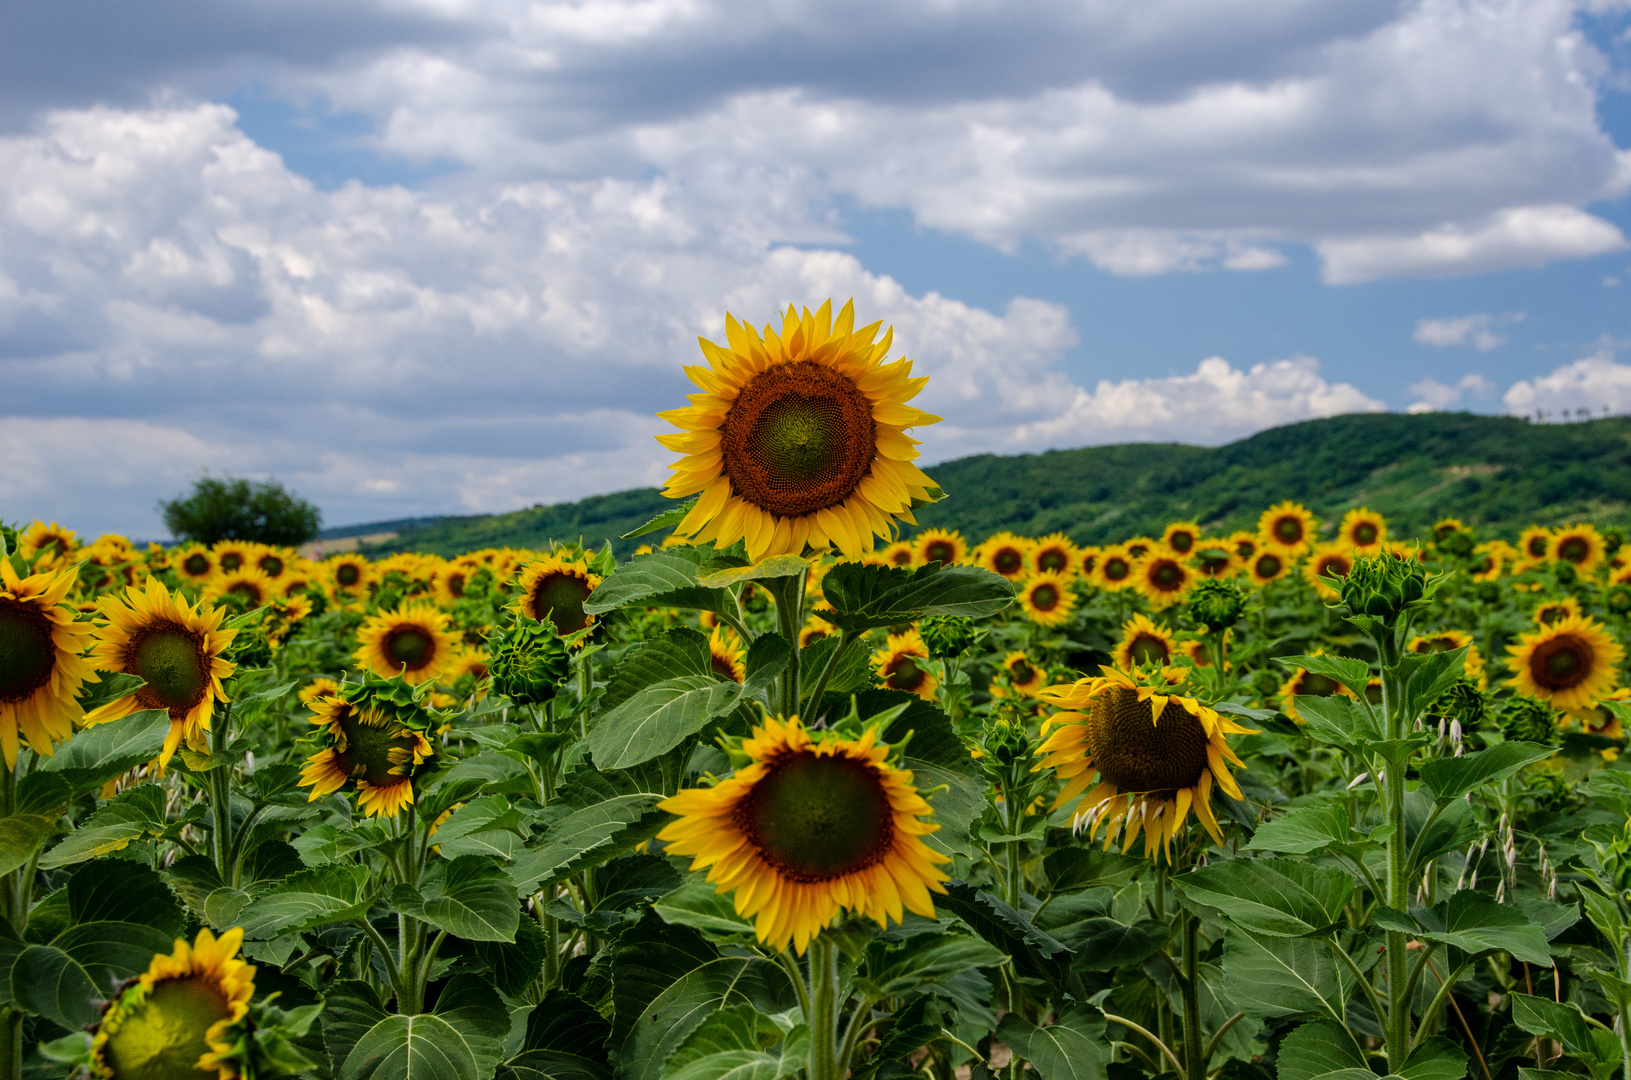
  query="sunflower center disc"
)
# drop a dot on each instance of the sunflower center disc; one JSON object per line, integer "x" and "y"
{"x": 1116, "y": 569}
{"x": 939, "y": 552}
{"x": 197, "y": 564}
{"x": 1268, "y": 565}
{"x": 231, "y": 561}
{"x": 1136, "y": 755}
{"x": 562, "y": 597}
{"x": 1146, "y": 649}
{"x": 904, "y": 674}
{"x": 1181, "y": 542}
{"x": 409, "y": 646}
{"x": 1045, "y": 598}
{"x": 1052, "y": 560}
{"x": 163, "y": 1038}
{"x": 347, "y": 575}
{"x": 1572, "y": 550}
{"x": 455, "y": 584}
{"x": 1007, "y": 560}
{"x": 1289, "y": 530}
{"x": 271, "y": 565}
{"x": 722, "y": 667}
{"x": 1365, "y": 534}
{"x": 1561, "y": 663}
{"x": 368, "y": 750}
{"x": 818, "y": 818}
{"x": 1313, "y": 685}
{"x": 1022, "y": 673}
{"x": 171, "y": 659}
{"x": 27, "y": 656}
{"x": 1441, "y": 644}
{"x": 799, "y": 438}
{"x": 1167, "y": 576}
{"x": 248, "y": 592}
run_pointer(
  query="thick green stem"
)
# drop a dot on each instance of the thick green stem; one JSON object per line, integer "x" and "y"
{"x": 788, "y": 593}
{"x": 849, "y": 638}
{"x": 13, "y": 1035}
{"x": 220, "y": 781}
{"x": 1625, "y": 1011}
{"x": 1194, "y": 1055}
{"x": 1163, "y": 1010}
{"x": 1398, "y": 855}
{"x": 823, "y": 1010}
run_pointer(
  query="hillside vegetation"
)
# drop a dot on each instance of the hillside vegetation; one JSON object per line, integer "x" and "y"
{"x": 1495, "y": 471}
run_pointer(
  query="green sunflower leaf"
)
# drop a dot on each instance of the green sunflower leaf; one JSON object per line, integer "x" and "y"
{"x": 668, "y": 519}
{"x": 1304, "y": 830}
{"x": 1453, "y": 777}
{"x": 1070, "y": 1048}
{"x": 461, "y": 1039}
{"x": 892, "y": 969}
{"x": 865, "y": 596}
{"x": 96, "y": 755}
{"x": 662, "y": 579}
{"x": 1278, "y": 976}
{"x": 658, "y": 718}
{"x": 472, "y": 898}
{"x": 1316, "y": 1048}
{"x": 1278, "y": 897}
{"x": 135, "y": 814}
{"x": 338, "y": 892}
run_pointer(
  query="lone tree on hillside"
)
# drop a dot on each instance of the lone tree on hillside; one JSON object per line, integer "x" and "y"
{"x": 229, "y": 508}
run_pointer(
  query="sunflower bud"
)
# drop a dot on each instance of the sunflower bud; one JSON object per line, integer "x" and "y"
{"x": 1459, "y": 544}
{"x": 1528, "y": 720}
{"x": 1489, "y": 593}
{"x": 1007, "y": 742}
{"x": 1217, "y": 603}
{"x": 947, "y": 635}
{"x": 1383, "y": 586}
{"x": 1462, "y": 703}
{"x": 1618, "y": 599}
{"x": 1611, "y": 541}
{"x": 529, "y": 661}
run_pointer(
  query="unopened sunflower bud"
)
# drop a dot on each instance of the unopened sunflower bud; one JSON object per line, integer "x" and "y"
{"x": 1382, "y": 586}
{"x": 947, "y": 635}
{"x": 528, "y": 661}
{"x": 1217, "y": 603}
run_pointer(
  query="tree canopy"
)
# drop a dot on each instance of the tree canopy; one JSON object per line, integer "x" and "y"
{"x": 231, "y": 508}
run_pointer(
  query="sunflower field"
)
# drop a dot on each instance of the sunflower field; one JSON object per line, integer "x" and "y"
{"x": 801, "y": 789}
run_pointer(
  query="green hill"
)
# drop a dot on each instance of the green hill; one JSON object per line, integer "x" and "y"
{"x": 1496, "y": 471}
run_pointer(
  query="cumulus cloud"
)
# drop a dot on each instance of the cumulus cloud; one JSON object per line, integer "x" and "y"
{"x": 1517, "y": 237}
{"x": 1596, "y": 384}
{"x": 1482, "y": 331}
{"x": 1434, "y": 396}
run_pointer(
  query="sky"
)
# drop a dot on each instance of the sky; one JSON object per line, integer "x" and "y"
{"x": 449, "y": 256}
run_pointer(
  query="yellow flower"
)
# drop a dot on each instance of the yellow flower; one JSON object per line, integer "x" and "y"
{"x": 174, "y": 646}
{"x": 1580, "y": 545}
{"x": 40, "y": 666}
{"x": 1115, "y": 568}
{"x": 273, "y": 561}
{"x": 1026, "y": 677}
{"x": 1488, "y": 561}
{"x": 1363, "y": 530}
{"x": 798, "y": 440}
{"x": 1161, "y": 577}
{"x": 1087, "y": 561}
{"x": 900, "y": 554}
{"x": 1571, "y": 664}
{"x": 233, "y": 555}
{"x": 348, "y": 575}
{"x": 1047, "y": 600}
{"x": 1308, "y": 684}
{"x": 246, "y": 583}
{"x": 1444, "y": 528}
{"x": 1535, "y": 543}
{"x": 1267, "y": 565}
{"x": 1550, "y": 611}
{"x": 1449, "y": 641}
{"x": 1244, "y": 544}
{"x": 938, "y": 545}
{"x": 413, "y": 641}
{"x": 1287, "y": 527}
{"x": 194, "y": 564}
{"x": 810, "y": 827}
{"x": 1143, "y": 643}
{"x": 364, "y": 744}
{"x": 727, "y": 654}
{"x": 1328, "y": 559}
{"x": 449, "y": 581}
{"x": 183, "y": 1017}
{"x": 52, "y": 543}
{"x": 1181, "y": 537}
{"x": 555, "y": 587}
{"x": 1006, "y": 554}
{"x": 1144, "y": 757}
{"x": 1055, "y": 554}
{"x": 899, "y": 666}
{"x": 317, "y": 688}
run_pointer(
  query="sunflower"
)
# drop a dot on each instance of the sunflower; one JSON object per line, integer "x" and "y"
{"x": 283, "y": 615}
{"x": 726, "y": 654}
{"x": 1046, "y": 599}
{"x": 1267, "y": 566}
{"x": 1143, "y": 643}
{"x": 194, "y": 564}
{"x": 799, "y": 439}
{"x": 1328, "y": 561}
{"x": 1449, "y": 641}
{"x": 1005, "y": 554}
{"x": 319, "y": 687}
{"x": 1181, "y": 537}
{"x": 177, "y": 648}
{"x": 1023, "y": 675}
{"x": 349, "y": 574}
{"x": 1363, "y": 530}
{"x": 40, "y": 666}
{"x": 1055, "y": 554}
{"x": 233, "y": 555}
{"x": 1580, "y": 545}
{"x": 1087, "y": 561}
{"x": 246, "y": 584}
{"x": 1154, "y": 754}
{"x": 1138, "y": 546}
{"x": 449, "y": 582}
{"x": 1306, "y": 683}
{"x": 815, "y": 628}
{"x": 184, "y": 1017}
{"x": 1287, "y": 527}
{"x": 1115, "y": 569}
{"x": 1551, "y": 611}
{"x": 273, "y": 561}
{"x": 1535, "y": 543}
{"x": 413, "y": 641}
{"x": 1196, "y": 652}
{"x": 900, "y": 666}
{"x": 1487, "y": 562}
{"x": 1161, "y": 577}
{"x": 900, "y": 553}
{"x": 1620, "y": 576}
{"x": 1570, "y": 664}
{"x": 472, "y": 663}
{"x": 1213, "y": 560}
{"x": 1444, "y": 528}
{"x": 1244, "y": 544}
{"x": 811, "y": 825}
{"x": 47, "y": 546}
{"x": 938, "y": 545}
{"x": 555, "y": 588}
{"x": 375, "y": 735}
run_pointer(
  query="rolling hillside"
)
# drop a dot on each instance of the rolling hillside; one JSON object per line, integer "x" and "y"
{"x": 1496, "y": 471}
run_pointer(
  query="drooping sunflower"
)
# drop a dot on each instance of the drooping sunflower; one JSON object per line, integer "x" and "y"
{"x": 1046, "y": 599}
{"x": 194, "y": 565}
{"x": 348, "y": 574}
{"x": 1571, "y": 664}
{"x": 233, "y": 555}
{"x": 52, "y": 544}
{"x": 1535, "y": 543}
{"x": 1143, "y": 755}
{"x": 1287, "y": 527}
{"x": 900, "y": 553}
{"x": 1162, "y": 578}
{"x": 40, "y": 666}
{"x": 1363, "y": 530}
{"x": 1449, "y": 641}
{"x": 727, "y": 654}
{"x": 1580, "y": 545}
{"x": 1055, "y": 554}
{"x": 1550, "y": 611}
{"x": 809, "y": 826}
{"x": 1181, "y": 537}
{"x": 1328, "y": 560}
{"x": 1143, "y": 643}
{"x": 938, "y": 545}
{"x": 1006, "y": 554}
{"x": 1268, "y": 566}
{"x": 185, "y": 1017}
{"x": 177, "y": 648}
{"x": 1024, "y": 675}
{"x": 900, "y": 665}
{"x": 246, "y": 584}
{"x": 555, "y": 588}
{"x": 372, "y": 733}
{"x": 413, "y": 641}
{"x": 1307, "y": 683}
{"x": 1115, "y": 569}
{"x": 799, "y": 438}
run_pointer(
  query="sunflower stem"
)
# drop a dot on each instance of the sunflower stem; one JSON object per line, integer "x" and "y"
{"x": 1163, "y": 1010}
{"x": 848, "y": 638}
{"x": 788, "y": 594}
{"x": 220, "y": 780}
{"x": 823, "y": 1061}
{"x": 1398, "y": 853}
{"x": 1194, "y": 1056}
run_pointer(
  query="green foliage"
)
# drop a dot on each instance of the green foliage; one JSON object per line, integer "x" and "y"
{"x": 231, "y": 508}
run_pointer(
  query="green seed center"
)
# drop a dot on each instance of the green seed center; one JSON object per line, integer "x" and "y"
{"x": 27, "y": 657}
{"x": 164, "y": 1037}
{"x": 409, "y": 646}
{"x": 171, "y": 659}
{"x": 561, "y": 596}
{"x": 818, "y": 818}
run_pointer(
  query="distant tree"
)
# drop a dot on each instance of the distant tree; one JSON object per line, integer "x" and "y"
{"x": 229, "y": 508}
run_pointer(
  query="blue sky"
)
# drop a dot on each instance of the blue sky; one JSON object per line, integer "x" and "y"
{"x": 413, "y": 256}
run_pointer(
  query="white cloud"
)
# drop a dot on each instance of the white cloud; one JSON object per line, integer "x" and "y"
{"x": 1480, "y": 330}
{"x": 1596, "y": 383}
{"x": 1517, "y": 237}
{"x": 1434, "y": 396}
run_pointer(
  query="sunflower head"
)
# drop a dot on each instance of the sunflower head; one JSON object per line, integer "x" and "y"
{"x": 40, "y": 666}
{"x": 1087, "y": 561}
{"x": 1384, "y": 586}
{"x": 1288, "y": 527}
{"x": 348, "y": 574}
{"x": 413, "y": 641}
{"x": 1268, "y": 565}
{"x": 1143, "y": 644}
{"x": 1535, "y": 543}
{"x": 1363, "y": 530}
{"x": 1571, "y": 664}
{"x": 1213, "y": 560}
{"x": 556, "y": 588}
{"x": 1305, "y": 683}
{"x": 185, "y": 1017}
{"x": 1528, "y": 720}
{"x": 902, "y": 665}
{"x": 810, "y": 824}
{"x": 47, "y": 546}
{"x": 1550, "y": 611}
{"x": 1024, "y": 675}
{"x": 938, "y": 545}
{"x": 1055, "y": 554}
{"x": 1161, "y": 576}
{"x": 1181, "y": 537}
{"x": 1328, "y": 563}
{"x": 194, "y": 564}
{"x": 1444, "y": 528}
{"x": 372, "y": 733}
{"x": 529, "y": 661}
{"x": 1006, "y": 554}
{"x": 1581, "y": 546}
{"x": 1046, "y": 599}
{"x": 1115, "y": 568}
{"x": 244, "y": 589}
{"x": 900, "y": 553}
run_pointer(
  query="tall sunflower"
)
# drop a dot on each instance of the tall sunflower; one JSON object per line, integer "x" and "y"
{"x": 195, "y": 564}
{"x": 900, "y": 665}
{"x": 1046, "y": 599}
{"x": 173, "y": 645}
{"x": 1288, "y": 527}
{"x": 938, "y": 545}
{"x": 47, "y": 546}
{"x": 272, "y": 561}
{"x": 1181, "y": 537}
{"x": 727, "y": 655}
{"x": 185, "y": 1017}
{"x": 1267, "y": 566}
{"x": 246, "y": 584}
{"x": 1087, "y": 562}
{"x": 809, "y": 825}
{"x": 40, "y": 666}
{"x": 1571, "y": 664}
{"x": 1115, "y": 569}
{"x": 1580, "y": 545}
{"x": 1143, "y": 643}
{"x": 1006, "y": 554}
{"x": 555, "y": 588}
{"x": 1550, "y": 611}
{"x": 1162, "y": 578}
{"x": 799, "y": 438}
{"x": 1055, "y": 554}
{"x": 348, "y": 574}
{"x": 1244, "y": 544}
{"x": 1328, "y": 560}
{"x": 372, "y": 733}
{"x": 1363, "y": 530}
{"x": 1535, "y": 543}
{"x": 1139, "y": 757}
{"x": 414, "y": 641}
{"x": 233, "y": 555}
